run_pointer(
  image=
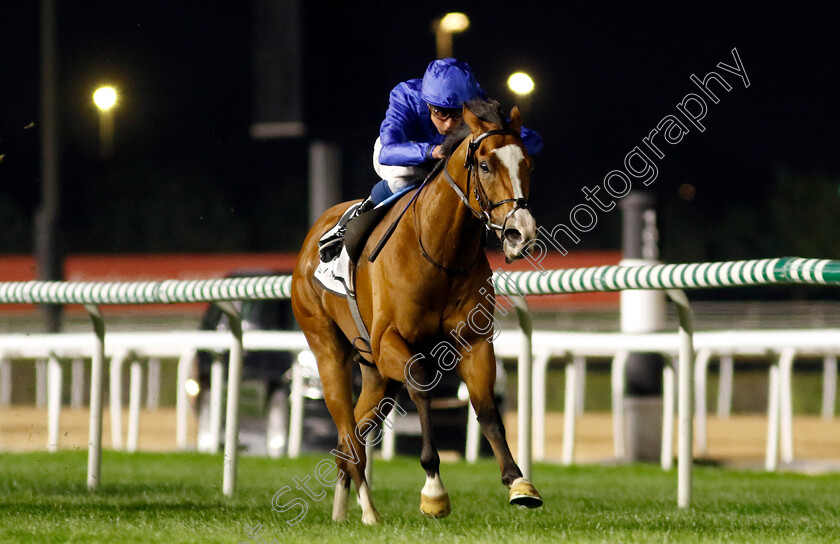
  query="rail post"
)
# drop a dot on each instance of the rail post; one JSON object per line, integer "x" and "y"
{"x": 524, "y": 385}
{"x": 232, "y": 415}
{"x": 685, "y": 461}
{"x": 95, "y": 432}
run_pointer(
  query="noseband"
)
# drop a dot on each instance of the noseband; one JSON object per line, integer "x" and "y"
{"x": 478, "y": 190}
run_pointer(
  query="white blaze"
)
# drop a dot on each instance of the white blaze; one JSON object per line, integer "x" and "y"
{"x": 511, "y": 157}
{"x": 522, "y": 226}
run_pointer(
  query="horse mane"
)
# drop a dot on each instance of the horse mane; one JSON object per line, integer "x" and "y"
{"x": 487, "y": 110}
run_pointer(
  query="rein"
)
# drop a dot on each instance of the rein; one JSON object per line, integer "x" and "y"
{"x": 393, "y": 227}
{"x": 444, "y": 269}
{"x": 480, "y": 196}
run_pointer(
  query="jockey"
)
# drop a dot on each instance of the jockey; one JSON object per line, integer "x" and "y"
{"x": 421, "y": 113}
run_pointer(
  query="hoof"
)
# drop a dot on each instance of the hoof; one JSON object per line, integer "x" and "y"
{"x": 435, "y": 507}
{"x": 522, "y": 493}
{"x": 371, "y": 518}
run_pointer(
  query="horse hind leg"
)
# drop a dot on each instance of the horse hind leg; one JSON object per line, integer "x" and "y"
{"x": 370, "y": 516}
{"x": 351, "y": 460}
{"x": 369, "y": 411}
{"x": 336, "y": 380}
{"x": 350, "y": 455}
{"x": 342, "y": 492}
{"x": 333, "y": 353}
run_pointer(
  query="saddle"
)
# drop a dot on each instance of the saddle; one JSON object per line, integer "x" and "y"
{"x": 359, "y": 229}
{"x": 337, "y": 274}
{"x": 357, "y": 225}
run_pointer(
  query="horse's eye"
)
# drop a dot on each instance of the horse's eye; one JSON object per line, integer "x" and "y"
{"x": 484, "y": 167}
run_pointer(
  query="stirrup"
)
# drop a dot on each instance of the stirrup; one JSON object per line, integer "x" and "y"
{"x": 330, "y": 249}
{"x": 329, "y": 246}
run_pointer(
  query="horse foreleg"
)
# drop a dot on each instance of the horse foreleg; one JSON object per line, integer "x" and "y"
{"x": 478, "y": 370}
{"x": 522, "y": 492}
{"x": 434, "y": 500}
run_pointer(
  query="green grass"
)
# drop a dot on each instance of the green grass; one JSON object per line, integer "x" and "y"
{"x": 177, "y": 498}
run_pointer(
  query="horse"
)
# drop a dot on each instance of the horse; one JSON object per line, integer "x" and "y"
{"x": 422, "y": 286}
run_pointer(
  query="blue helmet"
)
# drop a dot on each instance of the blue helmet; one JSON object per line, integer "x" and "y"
{"x": 448, "y": 83}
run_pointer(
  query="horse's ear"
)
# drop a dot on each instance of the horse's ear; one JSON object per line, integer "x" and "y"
{"x": 471, "y": 120}
{"x": 515, "y": 119}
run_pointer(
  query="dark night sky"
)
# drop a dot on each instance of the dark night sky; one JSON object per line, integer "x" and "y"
{"x": 605, "y": 74}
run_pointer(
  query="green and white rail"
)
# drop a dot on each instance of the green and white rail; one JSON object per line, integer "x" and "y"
{"x": 785, "y": 270}
{"x": 672, "y": 278}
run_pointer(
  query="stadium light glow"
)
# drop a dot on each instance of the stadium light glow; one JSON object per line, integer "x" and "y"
{"x": 454, "y": 22}
{"x": 444, "y": 28}
{"x": 520, "y": 83}
{"x": 105, "y": 98}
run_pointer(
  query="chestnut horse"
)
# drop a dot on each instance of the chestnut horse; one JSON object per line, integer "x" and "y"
{"x": 418, "y": 292}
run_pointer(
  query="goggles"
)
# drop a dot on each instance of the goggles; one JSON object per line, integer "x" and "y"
{"x": 444, "y": 114}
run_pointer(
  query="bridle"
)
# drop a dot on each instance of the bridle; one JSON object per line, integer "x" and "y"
{"x": 480, "y": 194}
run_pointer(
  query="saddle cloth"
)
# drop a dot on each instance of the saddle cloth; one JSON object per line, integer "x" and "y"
{"x": 335, "y": 275}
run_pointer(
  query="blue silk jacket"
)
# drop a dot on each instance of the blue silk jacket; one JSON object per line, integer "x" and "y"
{"x": 407, "y": 134}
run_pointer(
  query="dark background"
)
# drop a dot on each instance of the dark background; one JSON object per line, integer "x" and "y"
{"x": 186, "y": 176}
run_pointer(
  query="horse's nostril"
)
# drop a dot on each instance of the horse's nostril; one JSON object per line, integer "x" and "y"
{"x": 513, "y": 236}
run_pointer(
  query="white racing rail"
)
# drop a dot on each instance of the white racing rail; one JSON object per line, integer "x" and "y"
{"x": 123, "y": 347}
{"x": 781, "y": 347}
{"x": 671, "y": 278}
{"x": 92, "y": 294}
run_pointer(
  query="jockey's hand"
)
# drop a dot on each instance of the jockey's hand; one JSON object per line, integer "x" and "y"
{"x": 436, "y": 152}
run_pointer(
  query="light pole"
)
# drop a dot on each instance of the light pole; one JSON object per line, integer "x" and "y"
{"x": 48, "y": 250}
{"x": 105, "y": 99}
{"x": 444, "y": 28}
{"x": 522, "y": 86}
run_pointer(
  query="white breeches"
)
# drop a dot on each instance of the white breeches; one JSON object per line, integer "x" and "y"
{"x": 399, "y": 177}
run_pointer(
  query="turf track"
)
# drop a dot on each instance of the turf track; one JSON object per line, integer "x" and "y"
{"x": 175, "y": 498}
